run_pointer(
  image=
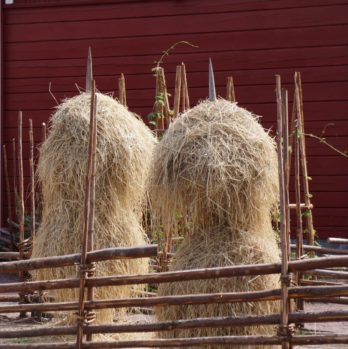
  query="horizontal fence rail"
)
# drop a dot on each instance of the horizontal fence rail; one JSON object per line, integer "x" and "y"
{"x": 72, "y": 259}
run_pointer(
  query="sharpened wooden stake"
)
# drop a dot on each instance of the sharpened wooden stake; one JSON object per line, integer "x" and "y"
{"x": 212, "y": 90}
{"x": 122, "y": 97}
{"x": 177, "y": 93}
{"x": 284, "y": 323}
{"x": 230, "y": 95}
{"x": 89, "y": 72}
{"x": 86, "y": 269}
{"x": 185, "y": 96}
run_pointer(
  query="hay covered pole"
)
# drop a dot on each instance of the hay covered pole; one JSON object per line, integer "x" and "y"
{"x": 88, "y": 269}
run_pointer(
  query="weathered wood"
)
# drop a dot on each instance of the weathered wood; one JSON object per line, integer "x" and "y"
{"x": 338, "y": 241}
{"x": 230, "y": 94}
{"x": 21, "y": 183}
{"x": 335, "y": 274}
{"x": 322, "y": 250}
{"x": 303, "y": 158}
{"x": 43, "y": 132}
{"x": 284, "y": 322}
{"x": 14, "y": 168}
{"x": 189, "y": 342}
{"x": 149, "y": 251}
{"x": 8, "y": 192}
{"x": 177, "y": 91}
{"x": 310, "y": 292}
{"x": 66, "y": 260}
{"x": 87, "y": 244}
{"x": 9, "y": 255}
{"x": 328, "y": 316}
{"x": 302, "y": 206}
{"x": 32, "y": 180}
{"x": 185, "y": 95}
{"x": 122, "y": 93}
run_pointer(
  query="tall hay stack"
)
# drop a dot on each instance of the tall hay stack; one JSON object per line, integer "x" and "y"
{"x": 217, "y": 166}
{"x": 124, "y": 154}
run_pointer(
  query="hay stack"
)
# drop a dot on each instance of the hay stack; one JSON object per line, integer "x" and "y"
{"x": 124, "y": 153}
{"x": 217, "y": 166}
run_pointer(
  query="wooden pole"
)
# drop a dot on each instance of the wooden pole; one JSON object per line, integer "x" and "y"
{"x": 14, "y": 166}
{"x": 122, "y": 96}
{"x": 228, "y": 321}
{"x": 21, "y": 200}
{"x": 8, "y": 191}
{"x": 230, "y": 95}
{"x": 299, "y": 230}
{"x": 307, "y": 195}
{"x": 163, "y": 88}
{"x": 227, "y": 341}
{"x": 321, "y": 250}
{"x": 285, "y": 281}
{"x": 32, "y": 180}
{"x": 159, "y": 107}
{"x": 43, "y": 132}
{"x": 85, "y": 269}
{"x": 286, "y": 155}
{"x": 177, "y": 92}
{"x": 185, "y": 94}
{"x": 307, "y": 292}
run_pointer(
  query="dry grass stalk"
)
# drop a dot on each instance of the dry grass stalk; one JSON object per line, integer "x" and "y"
{"x": 216, "y": 166}
{"x": 124, "y": 153}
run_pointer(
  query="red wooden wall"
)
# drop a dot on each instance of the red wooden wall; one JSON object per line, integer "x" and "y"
{"x": 46, "y": 42}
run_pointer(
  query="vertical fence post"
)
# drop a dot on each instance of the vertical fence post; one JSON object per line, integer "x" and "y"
{"x": 283, "y": 330}
{"x": 88, "y": 270}
{"x": 230, "y": 93}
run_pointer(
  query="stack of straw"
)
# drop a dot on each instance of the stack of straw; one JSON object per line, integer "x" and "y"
{"x": 217, "y": 166}
{"x": 124, "y": 154}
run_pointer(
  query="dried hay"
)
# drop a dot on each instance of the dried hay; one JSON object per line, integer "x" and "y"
{"x": 217, "y": 167}
{"x": 222, "y": 246}
{"x": 218, "y": 160}
{"x": 124, "y": 153}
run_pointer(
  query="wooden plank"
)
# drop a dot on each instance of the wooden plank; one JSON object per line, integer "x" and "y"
{"x": 236, "y": 41}
{"x": 168, "y": 25}
{"x": 108, "y": 81}
{"x": 41, "y": 12}
{"x": 195, "y": 60}
{"x": 314, "y": 92}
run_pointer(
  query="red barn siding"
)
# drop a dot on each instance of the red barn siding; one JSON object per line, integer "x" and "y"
{"x": 253, "y": 40}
